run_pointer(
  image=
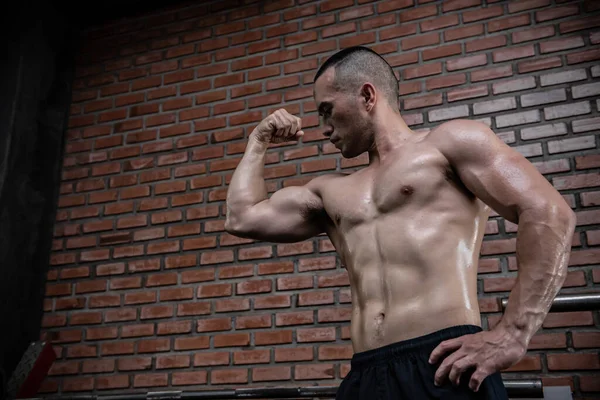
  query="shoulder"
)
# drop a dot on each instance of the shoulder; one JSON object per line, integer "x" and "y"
{"x": 464, "y": 138}
{"x": 461, "y": 129}
{"x": 320, "y": 182}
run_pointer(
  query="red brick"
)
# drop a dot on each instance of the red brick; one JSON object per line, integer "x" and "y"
{"x": 138, "y": 330}
{"x": 380, "y": 21}
{"x": 583, "y": 56}
{"x": 211, "y": 359}
{"x": 335, "y": 352}
{"x": 508, "y": 23}
{"x": 589, "y": 383}
{"x": 439, "y": 22}
{"x": 152, "y": 312}
{"x": 264, "y": 46}
{"x": 97, "y": 366}
{"x": 583, "y": 340}
{"x": 562, "y": 362}
{"x": 548, "y": 341}
{"x": 117, "y": 348}
{"x": 225, "y": 376}
{"x": 579, "y": 24}
{"x": 134, "y": 364}
{"x": 314, "y": 371}
{"x": 251, "y": 322}
{"x": 513, "y": 53}
{"x": 189, "y": 378}
{"x": 390, "y": 5}
{"x": 421, "y": 71}
{"x": 279, "y": 336}
{"x": 196, "y": 308}
{"x": 564, "y": 319}
{"x": 527, "y": 363}
{"x": 122, "y": 314}
{"x": 334, "y": 314}
{"x": 294, "y": 318}
{"x": 254, "y": 253}
{"x": 271, "y": 374}
{"x": 556, "y": 12}
{"x": 252, "y": 357}
{"x": 175, "y": 361}
{"x": 215, "y": 290}
{"x": 485, "y": 43}
{"x": 150, "y": 380}
{"x": 441, "y": 51}
{"x": 539, "y": 64}
{"x": 278, "y": 301}
{"x": 79, "y": 351}
{"x": 420, "y": 41}
{"x": 491, "y": 73}
{"x": 112, "y": 382}
{"x": 78, "y": 384}
{"x": 153, "y": 345}
{"x": 231, "y": 340}
{"x": 460, "y": 33}
{"x": 533, "y": 34}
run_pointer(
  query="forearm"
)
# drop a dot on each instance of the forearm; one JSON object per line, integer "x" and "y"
{"x": 543, "y": 248}
{"x": 247, "y": 186}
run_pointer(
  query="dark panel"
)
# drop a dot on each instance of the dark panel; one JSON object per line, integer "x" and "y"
{"x": 35, "y": 95}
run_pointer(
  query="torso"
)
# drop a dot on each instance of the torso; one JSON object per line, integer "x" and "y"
{"x": 409, "y": 235}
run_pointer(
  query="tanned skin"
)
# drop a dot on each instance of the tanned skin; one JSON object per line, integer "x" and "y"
{"x": 409, "y": 226}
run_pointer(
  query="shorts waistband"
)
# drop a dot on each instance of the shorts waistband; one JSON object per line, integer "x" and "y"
{"x": 430, "y": 340}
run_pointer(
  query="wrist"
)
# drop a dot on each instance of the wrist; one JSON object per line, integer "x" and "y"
{"x": 256, "y": 143}
{"x": 258, "y": 137}
{"x": 519, "y": 334}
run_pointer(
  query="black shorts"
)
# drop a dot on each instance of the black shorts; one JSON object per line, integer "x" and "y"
{"x": 401, "y": 371}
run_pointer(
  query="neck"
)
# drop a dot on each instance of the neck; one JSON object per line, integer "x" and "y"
{"x": 389, "y": 132}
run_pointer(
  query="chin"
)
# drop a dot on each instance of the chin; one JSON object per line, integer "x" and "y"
{"x": 348, "y": 154}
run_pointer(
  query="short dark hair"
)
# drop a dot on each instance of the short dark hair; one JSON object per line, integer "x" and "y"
{"x": 354, "y": 64}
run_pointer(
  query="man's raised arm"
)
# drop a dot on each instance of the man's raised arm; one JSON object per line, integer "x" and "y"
{"x": 291, "y": 214}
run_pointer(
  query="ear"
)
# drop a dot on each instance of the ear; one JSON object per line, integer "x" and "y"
{"x": 369, "y": 95}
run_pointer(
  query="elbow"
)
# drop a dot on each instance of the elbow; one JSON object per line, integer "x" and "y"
{"x": 566, "y": 217}
{"x": 562, "y": 216}
{"x": 234, "y": 225}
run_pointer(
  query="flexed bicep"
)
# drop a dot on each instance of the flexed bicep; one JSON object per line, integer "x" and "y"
{"x": 291, "y": 214}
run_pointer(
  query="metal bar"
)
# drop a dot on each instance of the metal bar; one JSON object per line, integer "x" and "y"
{"x": 576, "y": 302}
{"x": 531, "y": 388}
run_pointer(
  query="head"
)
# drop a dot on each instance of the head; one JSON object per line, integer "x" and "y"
{"x": 352, "y": 88}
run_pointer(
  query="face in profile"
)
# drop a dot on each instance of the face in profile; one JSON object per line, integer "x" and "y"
{"x": 343, "y": 116}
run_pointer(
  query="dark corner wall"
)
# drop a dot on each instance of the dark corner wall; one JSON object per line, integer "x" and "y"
{"x": 40, "y": 42}
{"x": 35, "y": 91}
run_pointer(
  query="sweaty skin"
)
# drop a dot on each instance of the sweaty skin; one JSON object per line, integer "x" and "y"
{"x": 408, "y": 227}
{"x": 409, "y": 235}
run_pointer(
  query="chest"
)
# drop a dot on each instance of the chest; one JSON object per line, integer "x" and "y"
{"x": 369, "y": 193}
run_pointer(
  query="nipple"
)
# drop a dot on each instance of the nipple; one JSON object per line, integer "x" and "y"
{"x": 407, "y": 190}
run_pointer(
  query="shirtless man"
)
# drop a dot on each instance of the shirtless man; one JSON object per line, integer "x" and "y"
{"x": 408, "y": 228}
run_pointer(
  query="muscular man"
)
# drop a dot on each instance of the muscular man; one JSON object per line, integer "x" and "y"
{"x": 408, "y": 228}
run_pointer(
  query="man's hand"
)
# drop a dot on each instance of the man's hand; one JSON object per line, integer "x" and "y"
{"x": 485, "y": 352}
{"x": 278, "y": 127}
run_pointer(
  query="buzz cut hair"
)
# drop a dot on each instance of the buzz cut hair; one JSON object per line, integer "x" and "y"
{"x": 357, "y": 64}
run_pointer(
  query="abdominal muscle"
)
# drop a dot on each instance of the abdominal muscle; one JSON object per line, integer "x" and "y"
{"x": 406, "y": 287}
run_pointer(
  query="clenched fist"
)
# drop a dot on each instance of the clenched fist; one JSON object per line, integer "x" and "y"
{"x": 278, "y": 127}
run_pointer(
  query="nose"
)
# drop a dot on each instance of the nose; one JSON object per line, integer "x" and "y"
{"x": 328, "y": 131}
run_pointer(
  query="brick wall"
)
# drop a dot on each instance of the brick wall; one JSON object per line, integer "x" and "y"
{"x": 146, "y": 291}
